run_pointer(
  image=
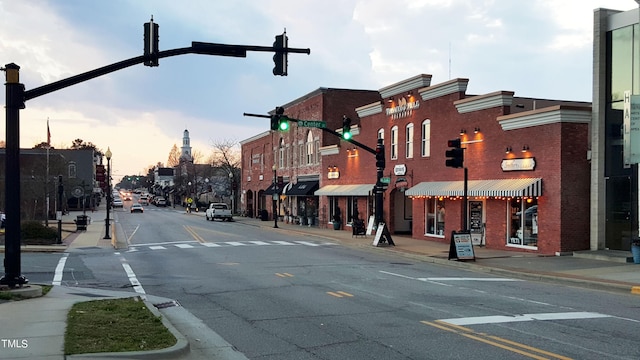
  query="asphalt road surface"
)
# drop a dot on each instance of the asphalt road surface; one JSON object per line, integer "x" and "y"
{"x": 277, "y": 295}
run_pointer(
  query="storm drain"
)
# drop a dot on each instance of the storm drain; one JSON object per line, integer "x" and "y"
{"x": 167, "y": 304}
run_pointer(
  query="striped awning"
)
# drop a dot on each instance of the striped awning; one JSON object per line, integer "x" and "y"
{"x": 345, "y": 190}
{"x": 499, "y": 187}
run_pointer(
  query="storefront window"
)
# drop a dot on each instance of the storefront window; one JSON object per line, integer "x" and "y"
{"x": 435, "y": 217}
{"x": 523, "y": 229}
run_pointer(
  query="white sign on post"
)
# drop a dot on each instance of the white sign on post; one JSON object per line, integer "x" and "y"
{"x": 631, "y": 129}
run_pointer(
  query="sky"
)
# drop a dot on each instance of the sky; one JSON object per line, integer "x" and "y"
{"x": 536, "y": 48}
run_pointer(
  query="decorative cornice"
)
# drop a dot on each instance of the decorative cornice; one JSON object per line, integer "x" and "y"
{"x": 368, "y": 110}
{"x": 544, "y": 116}
{"x": 482, "y": 102}
{"x": 445, "y": 88}
{"x": 402, "y": 87}
{"x": 329, "y": 150}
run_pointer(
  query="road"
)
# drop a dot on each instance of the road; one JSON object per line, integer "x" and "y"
{"x": 277, "y": 295}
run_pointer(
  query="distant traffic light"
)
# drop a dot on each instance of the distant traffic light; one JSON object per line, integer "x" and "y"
{"x": 380, "y": 162}
{"x": 151, "y": 43}
{"x": 346, "y": 128}
{"x": 280, "y": 56}
{"x": 455, "y": 155}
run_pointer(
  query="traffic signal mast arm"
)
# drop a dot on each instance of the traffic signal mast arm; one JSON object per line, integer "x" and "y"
{"x": 195, "y": 48}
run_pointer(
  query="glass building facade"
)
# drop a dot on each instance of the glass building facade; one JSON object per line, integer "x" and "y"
{"x": 614, "y": 192}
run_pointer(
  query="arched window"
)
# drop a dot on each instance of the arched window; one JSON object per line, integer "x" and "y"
{"x": 310, "y": 148}
{"x": 394, "y": 142}
{"x": 425, "y": 140}
{"x": 72, "y": 170}
{"x": 281, "y": 151}
{"x": 409, "y": 141}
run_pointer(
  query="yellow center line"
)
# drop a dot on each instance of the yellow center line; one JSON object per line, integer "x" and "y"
{"x": 344, "y": 293}
{"x": 495, "y": 341}
{"x": 194, "y": 234}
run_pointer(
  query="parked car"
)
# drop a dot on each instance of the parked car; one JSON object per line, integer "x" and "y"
{"x": 137, "y": 208}
{"x": 160, "y": 201}
{"x": 143, "y": 200}
{"x": 219, "y": 211}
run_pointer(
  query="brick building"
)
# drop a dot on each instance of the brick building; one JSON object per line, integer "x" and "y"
{"x": 528, "y": 172}
{"x": 293, "y": 158}
{"x": 527, "y": 164}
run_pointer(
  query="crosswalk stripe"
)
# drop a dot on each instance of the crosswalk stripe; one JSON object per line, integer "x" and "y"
{"x": 208, "y": 244}
{"x": 259, "y": 243}
{"x": 157, "y": 247}
{"x": 280, "y": 242}
{"x": 307, "y": 243}
{"x": 184, "y": 246}
{"x": 235, "y": 243}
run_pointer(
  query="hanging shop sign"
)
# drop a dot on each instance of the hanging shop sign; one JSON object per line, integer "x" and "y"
{"x": 525, "y": 164}
{"x": 400, "y": 170}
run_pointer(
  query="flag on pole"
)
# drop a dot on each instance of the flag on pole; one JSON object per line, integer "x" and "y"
{"x": 48, "y": 134}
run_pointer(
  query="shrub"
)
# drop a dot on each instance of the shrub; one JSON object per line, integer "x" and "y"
{"x": 37, "y": 230}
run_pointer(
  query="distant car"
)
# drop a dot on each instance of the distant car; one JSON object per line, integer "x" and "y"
{"x": 118, "y": 203}
{"x": 160, "y": 201}
{"x": 127, "y": 197}
{"x": 137, "y": 208}
{"x": 143, "y": 200}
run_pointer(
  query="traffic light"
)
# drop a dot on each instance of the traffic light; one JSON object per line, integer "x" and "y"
{"x": 279, "y": 121}
{"x": 280, "y": 56}
{"x": 455, "y": 155}
{"x": 283, "y": 123}
{"x": 380, "y": 162}
{"x": 151, "y": 43}
{"x": 346, "y": 128}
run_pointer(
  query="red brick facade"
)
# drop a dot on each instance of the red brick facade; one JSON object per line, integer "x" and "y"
{"x": 551, "y": 219}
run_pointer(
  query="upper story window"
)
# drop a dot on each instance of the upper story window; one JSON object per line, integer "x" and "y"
{"x": 310, "y": 148}
{"x": 409, "y": 141}
{"x": 425, "y": 141}
{"x": 72, "y": 170}
{"x": 281, "y": 150}
{"x": 394, "y": 142}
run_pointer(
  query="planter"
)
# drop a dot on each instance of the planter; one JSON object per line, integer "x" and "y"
{"x": 336, "y": 225}
{"x": 635, "y": 251}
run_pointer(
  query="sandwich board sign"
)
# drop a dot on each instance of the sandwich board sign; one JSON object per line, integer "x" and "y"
{"x": 382, "y": 235}
{"x": 461, "y": 246}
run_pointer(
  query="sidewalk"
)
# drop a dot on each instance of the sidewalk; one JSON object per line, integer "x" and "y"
{"x": 38, "y": 324}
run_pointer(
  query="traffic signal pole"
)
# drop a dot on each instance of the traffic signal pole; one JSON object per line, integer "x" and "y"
{"x": 16, "y": 96}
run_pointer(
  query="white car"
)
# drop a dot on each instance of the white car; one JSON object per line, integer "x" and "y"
{"x": 117, "y": 202}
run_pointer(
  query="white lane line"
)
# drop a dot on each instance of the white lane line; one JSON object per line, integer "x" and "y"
{"x": 439, "y": 279}
{"x": 464, "y": 279}
{"x": 133, "y": 279}
{"x": 57, "y": 275}
{"x": 157, "y": 247}
{"x": 280, "y": 242}
{"x": 499, "y": 319}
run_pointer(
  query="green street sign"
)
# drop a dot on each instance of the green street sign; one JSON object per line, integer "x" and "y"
{"x": 385, "y": 180}
{"x": 312, "y": 124}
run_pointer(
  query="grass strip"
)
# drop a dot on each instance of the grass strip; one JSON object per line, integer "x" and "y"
{"x": 114, "y": 325}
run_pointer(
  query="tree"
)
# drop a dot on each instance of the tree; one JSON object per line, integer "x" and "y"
{"x": 226, "y": 155}
{"x": 43, "y": 145}
{"x": 79, "y": 144}
{"x": 174, "y": 157}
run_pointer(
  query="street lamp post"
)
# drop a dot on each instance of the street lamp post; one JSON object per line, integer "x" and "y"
{"x": 232, "y": 192}
{"x": 275, "y": 198}
{"x": 106, "y": 221}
